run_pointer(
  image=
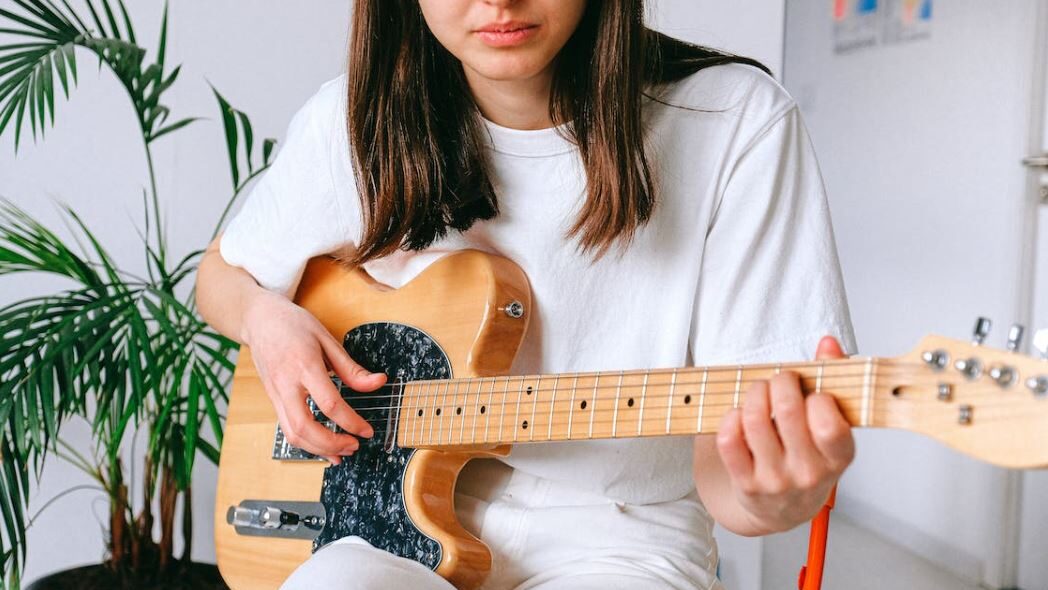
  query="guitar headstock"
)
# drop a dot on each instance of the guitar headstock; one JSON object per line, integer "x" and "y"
{"x": 986, "y": 402}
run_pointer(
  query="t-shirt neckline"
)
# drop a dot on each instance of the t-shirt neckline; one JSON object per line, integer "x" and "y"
{"x": 532, "y": 143}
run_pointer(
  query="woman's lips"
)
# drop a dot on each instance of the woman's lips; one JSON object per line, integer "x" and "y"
{"x": 506, "y": 35}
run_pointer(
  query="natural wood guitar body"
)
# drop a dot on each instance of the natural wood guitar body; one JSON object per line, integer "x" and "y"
{"x": 459, "y": 301}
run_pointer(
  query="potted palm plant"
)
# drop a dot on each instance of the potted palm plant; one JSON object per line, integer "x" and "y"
{"x": 121, "y": 351}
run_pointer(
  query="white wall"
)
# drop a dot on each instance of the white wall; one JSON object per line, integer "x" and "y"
{"x": 920, "y": 145}
{"x": 266, "y": 57}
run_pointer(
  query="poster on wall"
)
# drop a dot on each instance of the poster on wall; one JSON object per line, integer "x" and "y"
{"x": 860, "y": 24}
{"x": 855, "y": 24}
{"x": 907, "y": 20}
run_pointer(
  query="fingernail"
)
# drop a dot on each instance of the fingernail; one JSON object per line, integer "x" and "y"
{"x": 368, "y": 432}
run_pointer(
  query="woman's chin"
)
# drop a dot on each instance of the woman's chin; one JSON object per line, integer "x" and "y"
{"x": 507, "y": 68}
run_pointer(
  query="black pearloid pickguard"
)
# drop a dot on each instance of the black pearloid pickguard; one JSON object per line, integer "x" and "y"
{"x": 364, "y": 495}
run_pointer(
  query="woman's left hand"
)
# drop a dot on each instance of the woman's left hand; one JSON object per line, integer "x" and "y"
{"x": 782, "y": 469}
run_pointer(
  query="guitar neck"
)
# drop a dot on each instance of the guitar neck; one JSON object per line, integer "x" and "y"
{"x": 620, "y": 404}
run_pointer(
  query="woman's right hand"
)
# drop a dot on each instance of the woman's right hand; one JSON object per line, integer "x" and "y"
{"x": 293, "y": 352}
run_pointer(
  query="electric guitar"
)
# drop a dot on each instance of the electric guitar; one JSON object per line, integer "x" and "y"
{"x": 447, "y": 340}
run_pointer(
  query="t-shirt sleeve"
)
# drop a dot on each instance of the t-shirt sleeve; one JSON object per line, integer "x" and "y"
{"x": 296, "y": 210}
{"x": 770, "y": 282}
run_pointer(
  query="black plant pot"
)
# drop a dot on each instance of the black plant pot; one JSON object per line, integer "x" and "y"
{"x": 202, "y": 576}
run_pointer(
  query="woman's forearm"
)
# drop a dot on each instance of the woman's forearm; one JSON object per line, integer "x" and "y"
{"x": 224, "y": 292}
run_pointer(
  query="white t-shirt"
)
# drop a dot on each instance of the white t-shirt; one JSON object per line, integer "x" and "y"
{"x": 736, "y": 265}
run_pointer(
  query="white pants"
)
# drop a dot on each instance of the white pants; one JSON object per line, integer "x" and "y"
{"x": 542, "y": 535}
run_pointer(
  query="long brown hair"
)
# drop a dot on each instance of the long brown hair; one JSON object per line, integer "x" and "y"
{"x": 416, "y": 134}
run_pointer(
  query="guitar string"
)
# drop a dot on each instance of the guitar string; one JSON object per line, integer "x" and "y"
{"x": 883, "y": 365}
{"x": 830, "y": 385}
{"x": 522, "y": 382}
{"x": 881, "y": 411}
{"x": 500, "y": 437}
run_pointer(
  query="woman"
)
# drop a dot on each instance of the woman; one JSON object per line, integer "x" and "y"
{"x": 664, "y": 202}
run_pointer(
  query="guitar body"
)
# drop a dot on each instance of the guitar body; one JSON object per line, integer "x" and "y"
{"x": 450, "y": 321}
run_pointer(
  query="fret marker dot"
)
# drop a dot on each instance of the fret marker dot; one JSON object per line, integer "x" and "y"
{"x": 458, "y": 411}
{"x": 687, "y": 399}
{"x": 630, "y": 403}
{"x": 420, "y": 413}
{"x": 529, "y": 390}
{"x": 583, "y": 404}
{"x": 438, "y": 411}
{"x": 524, "y": 425}
{"x": 483, "y": 409}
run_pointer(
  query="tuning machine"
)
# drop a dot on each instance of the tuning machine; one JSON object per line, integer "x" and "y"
{"x": 1040, "y": 343}
{"x": 1038, "y": 384}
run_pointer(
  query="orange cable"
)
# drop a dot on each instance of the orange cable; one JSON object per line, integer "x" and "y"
{"x": 810, "y": 577}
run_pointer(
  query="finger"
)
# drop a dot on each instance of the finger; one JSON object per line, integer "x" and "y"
{"x": 282, "y": 419}
{"x": 757, "y": 428}
{"x": 312, "y": 435}
{"x": 829, "y": 348}
{"x": 351, "y": 373}
{"x": 791, "y": 419}
{"x": 831, "y": 433}
{"x": 329, "y": 401}
{"x": 731, "y": 444}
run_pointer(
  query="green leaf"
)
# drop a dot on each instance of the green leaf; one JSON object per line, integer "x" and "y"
{"x": 267, "y": 149}
{"x": 127, "y": 22}
{"x": 229, "y": 123}
{"x": 248, "y": 139}
{"x": 172, "y": 127}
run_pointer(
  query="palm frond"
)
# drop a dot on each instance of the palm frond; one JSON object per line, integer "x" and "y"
{"x": 28, "y": 69}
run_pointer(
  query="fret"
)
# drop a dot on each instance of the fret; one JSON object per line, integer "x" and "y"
{"x": 593, "y": 404}
{"x": 486, "y": 410}
{"x": 669, "y": 404}
{"x": 516, "y": 421}
{"x": 404, "y": 438}
{"x": 433, "y": 396}
{"x": 571, "y": 407}
{"x": 615, "y": 411}
{"x": 640, "y": 414}
{"x": 476, "y": 409}
{"x": 738, "y": 385}
{"x": 414, "y": 414}
{"x": 458, "y": 412}
{"x": 442, "y": 410}
{"x": 818, "y": 377}
{"x": 552, "y": 404}
{"x": 428, "y": 398}
{"x": 702, "y": 397}
{"x": 866, "y": 393}
{"x": 502, "y": 414}
{"x": 455, "y": 410}
{"x": 535, "y": 393}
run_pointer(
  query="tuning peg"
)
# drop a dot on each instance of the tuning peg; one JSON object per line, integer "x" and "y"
{"x": 1015, "y": 337}
{"x": 982, "y": 328}
{"x": 1040, "y": 342}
